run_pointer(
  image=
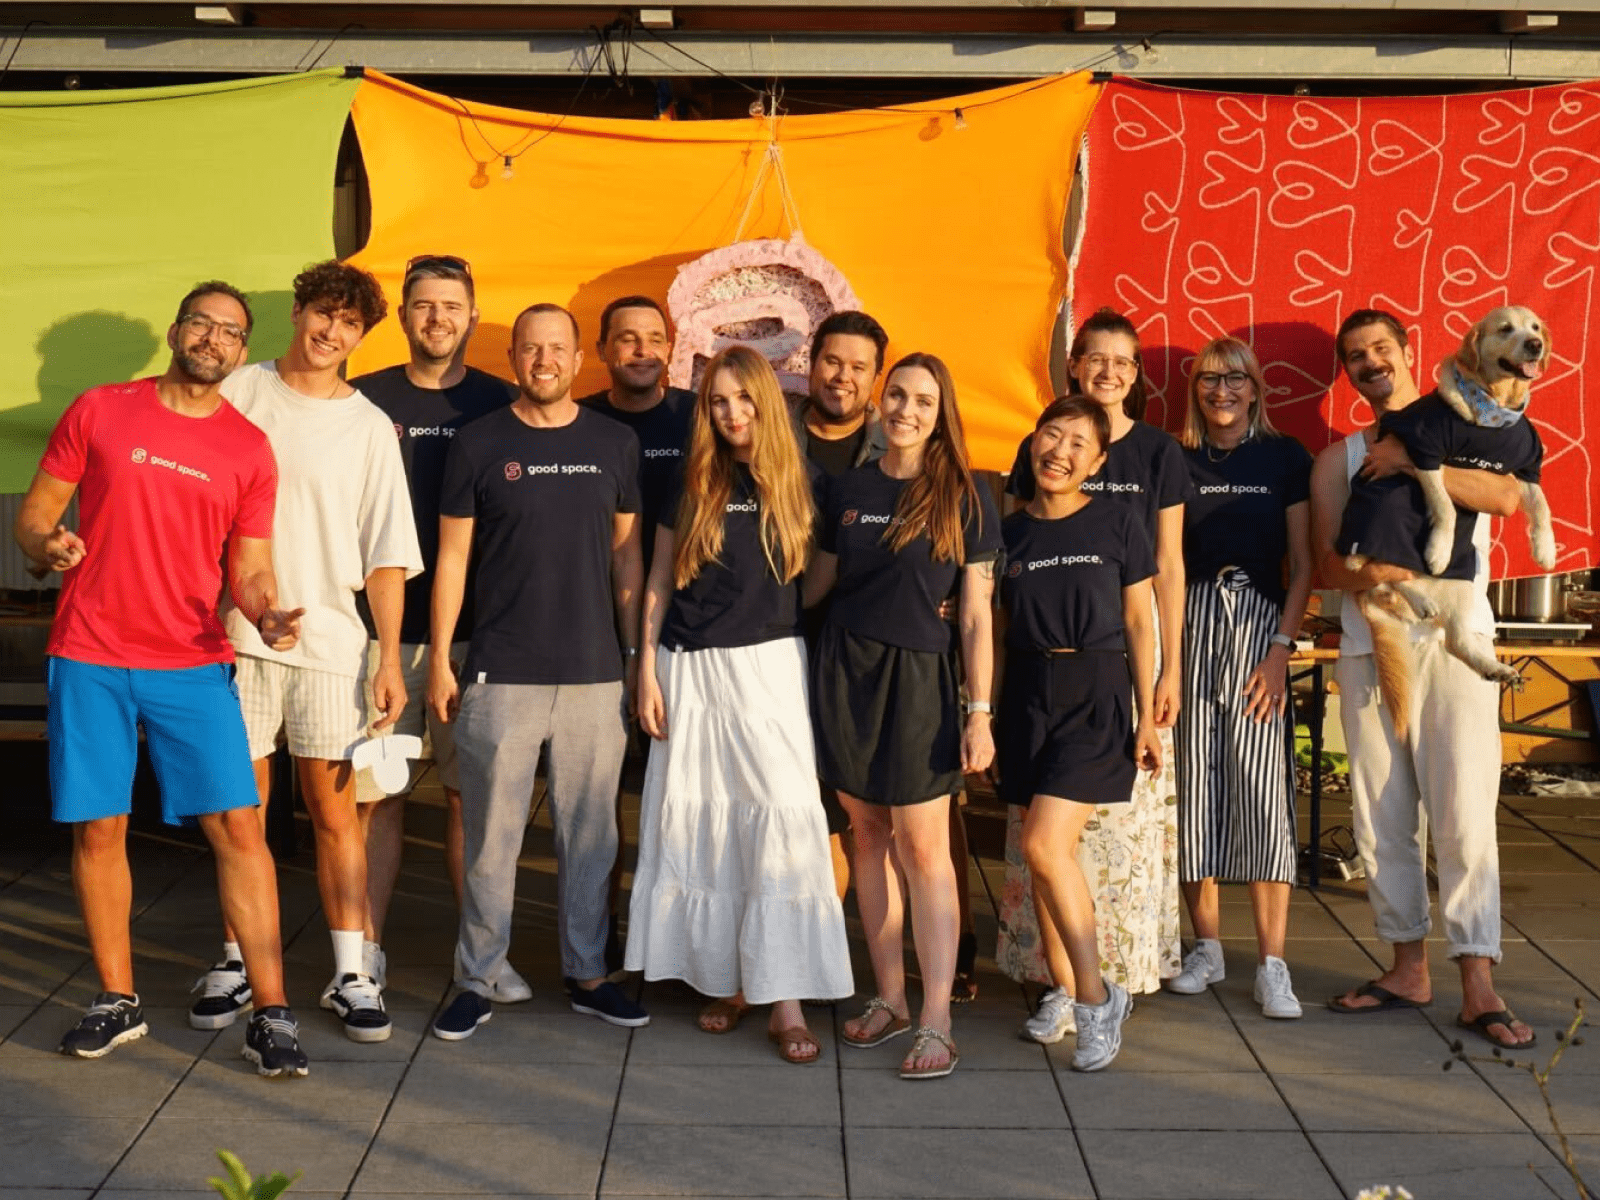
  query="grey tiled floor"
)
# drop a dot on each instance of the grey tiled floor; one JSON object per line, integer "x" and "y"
{"x": 1207, "y": 1100}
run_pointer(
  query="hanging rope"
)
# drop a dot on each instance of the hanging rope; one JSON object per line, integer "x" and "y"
{"x": 771, "y": 165}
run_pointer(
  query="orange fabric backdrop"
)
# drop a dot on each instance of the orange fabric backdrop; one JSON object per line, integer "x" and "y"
{"x": 950, "y": 236}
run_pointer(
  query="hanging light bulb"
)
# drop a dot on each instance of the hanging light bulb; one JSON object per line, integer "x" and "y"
{"x": 961, "y": 119}
{"x": 506, "y": 172}
{"x": 480, "y": 177}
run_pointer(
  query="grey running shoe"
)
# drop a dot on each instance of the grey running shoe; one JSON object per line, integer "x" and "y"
{"x": 1100, "y": 1029}
{"x": 1202, "y": 967}
{"x": 1052, "y": 1020}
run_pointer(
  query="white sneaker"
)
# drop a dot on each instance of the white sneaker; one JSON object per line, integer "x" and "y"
{"x": 1100, "y": 1029}
{"x": 510, "y": 988}
{"x": 375, "y": 962}
{"x": 358, "y": 1001}
{"x": 1202, "y": 967}
{"x": 1052, "y": 1020}
{"x": 1274, "y": 992}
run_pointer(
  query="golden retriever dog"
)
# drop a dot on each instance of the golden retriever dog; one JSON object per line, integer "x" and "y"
{"x": 1486, "y": 383}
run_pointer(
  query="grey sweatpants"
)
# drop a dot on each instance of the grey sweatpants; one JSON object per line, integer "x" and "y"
{"x": 500, "y": 732}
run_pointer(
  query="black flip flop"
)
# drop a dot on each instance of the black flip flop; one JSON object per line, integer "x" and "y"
{"x": 1387, "y": 1000}
{"x": 1504, "y": 1016}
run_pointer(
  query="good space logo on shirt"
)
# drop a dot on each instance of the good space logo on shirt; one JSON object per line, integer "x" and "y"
{"x": 1066, "y": 560}
{"x": 1235, "y": 489}
{"x": 1105, "y": 485}
{"x": 747, "y": 506}
{"x": 671, "y": 452}
{"x": 141, "y": 455}
{"x": 515, "y": 471}
{"x": 851, "y": 515}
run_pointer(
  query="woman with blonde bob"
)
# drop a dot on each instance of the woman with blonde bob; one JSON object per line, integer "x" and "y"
{"x": 1247, "y": 559}
{"x": 733, "y": 892}
{"x": 896, "y": 538}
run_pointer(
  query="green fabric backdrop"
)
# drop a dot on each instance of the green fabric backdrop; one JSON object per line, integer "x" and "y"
{"x": 114, "y": 203}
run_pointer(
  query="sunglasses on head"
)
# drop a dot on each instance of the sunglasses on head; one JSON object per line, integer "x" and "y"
{"x": 451, "y": 261}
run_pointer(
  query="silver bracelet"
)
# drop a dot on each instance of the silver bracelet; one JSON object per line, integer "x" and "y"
{"x": 979, "y": 706}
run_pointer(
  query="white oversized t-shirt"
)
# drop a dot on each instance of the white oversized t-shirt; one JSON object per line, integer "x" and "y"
{"x": 343, "y": 511}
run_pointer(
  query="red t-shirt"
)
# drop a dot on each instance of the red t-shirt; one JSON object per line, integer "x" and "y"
{"x": 159, "y": 494}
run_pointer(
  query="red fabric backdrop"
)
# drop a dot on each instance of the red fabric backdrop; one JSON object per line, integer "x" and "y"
{"x": 1269, "y": 218}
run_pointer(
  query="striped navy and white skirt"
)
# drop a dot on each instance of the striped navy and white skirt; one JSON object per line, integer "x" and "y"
{"x": 1236, "y": 817}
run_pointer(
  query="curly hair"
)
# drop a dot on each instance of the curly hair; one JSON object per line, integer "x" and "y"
{"x": 342, "y": 286}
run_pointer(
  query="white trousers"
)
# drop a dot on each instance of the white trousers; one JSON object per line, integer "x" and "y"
{"x": 1447, "y": 776}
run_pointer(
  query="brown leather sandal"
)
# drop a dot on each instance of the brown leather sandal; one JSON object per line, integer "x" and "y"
{"x": 731, "y": 1012}
{"x": 794, "y": 1043}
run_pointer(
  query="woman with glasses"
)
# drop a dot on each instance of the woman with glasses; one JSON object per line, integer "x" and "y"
{"x": 734, "y": 887}
{"x": 1249, "y": 519}
{"x": 896, "y": 537}
{"x": 1129, "y": 852}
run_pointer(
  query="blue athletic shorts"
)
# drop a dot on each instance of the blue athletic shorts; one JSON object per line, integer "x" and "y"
{"x": 192, "y": 726}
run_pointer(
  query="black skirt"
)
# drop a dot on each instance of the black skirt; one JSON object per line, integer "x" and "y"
{"x": 1066, "y": 728}
{"x": 886, "y": 720}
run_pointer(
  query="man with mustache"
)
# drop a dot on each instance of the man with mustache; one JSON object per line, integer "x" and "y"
{"x": 1447, "y": 773}
{"x": 170, "y": 479}
{"x": 342, "y": 523}
{"x": 545, "y": 494}
{"x": 428, "y": 398}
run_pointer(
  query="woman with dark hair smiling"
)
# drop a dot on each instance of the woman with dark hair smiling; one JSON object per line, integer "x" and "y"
{"x": 1251, "y": 514}
{"x": 895, "y": 537}
{"x": 734, "y": 888}
{"x": 1130, "y": 852}
{"x": 1076, "y": 591}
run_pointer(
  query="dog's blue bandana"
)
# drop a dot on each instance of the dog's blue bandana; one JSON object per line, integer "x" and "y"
{"x": 1485, "y": 411}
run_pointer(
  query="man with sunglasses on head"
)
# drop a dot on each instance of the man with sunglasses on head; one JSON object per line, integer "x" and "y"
{"x": 171, "y": 480}
{"x": 342, "y": 523}
{"x": 428, "y": 398}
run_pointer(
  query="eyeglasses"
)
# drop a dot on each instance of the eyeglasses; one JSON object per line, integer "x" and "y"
{"x": 1234, "y": 379}
{"x": 1119, "y": 365}
{"x": 201, "y": 325}
{"x": 448, "y": 261}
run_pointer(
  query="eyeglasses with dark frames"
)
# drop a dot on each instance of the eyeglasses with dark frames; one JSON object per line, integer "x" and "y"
{"x": 226, "y": 333}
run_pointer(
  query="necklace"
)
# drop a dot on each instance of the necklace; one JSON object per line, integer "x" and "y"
{"x": 1210, "y": 457}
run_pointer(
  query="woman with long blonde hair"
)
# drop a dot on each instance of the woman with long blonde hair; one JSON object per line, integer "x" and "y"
{"x": 733, "y": 892}
{"x": 896, "y": 538}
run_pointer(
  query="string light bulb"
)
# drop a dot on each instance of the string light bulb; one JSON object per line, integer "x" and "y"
{"x": 961, "y": 119}
{"x": 506, "y": 172}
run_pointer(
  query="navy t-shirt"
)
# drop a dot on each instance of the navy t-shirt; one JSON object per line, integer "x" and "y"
{"x": 544, "y": 501}
{"x": 425, "y": 421}
{"x": 889, "y": 597}
{"x": 663, "y": 433}
{"x": 1387, "y": 519}
{"x": 736, "y": 600}
{"x": 1236, "y": 514}
{"x": 1145, "y": 468}
{"x": 1062, "y": 586}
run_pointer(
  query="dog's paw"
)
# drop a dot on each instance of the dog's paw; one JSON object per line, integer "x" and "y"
{"x": 1544, "y": 548}
{"x": 1504, "y": 673}
{"x": 1355, "y": 562}
{"x": 1437, "y": 555}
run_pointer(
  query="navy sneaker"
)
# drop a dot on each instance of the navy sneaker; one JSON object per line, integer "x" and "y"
{"x": 224, "y": 994}
{"x": 358, "y": 1002}
{"x": 114, "y": 1018}
{"x": 272, "y": 1042}
{"x": 608, "y": 1002}
{"x": 462, "y": 1016}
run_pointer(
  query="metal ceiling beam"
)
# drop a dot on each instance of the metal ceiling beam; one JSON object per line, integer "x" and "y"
{"x": 1065, "y": 6}
{"x": 252, "y": 51}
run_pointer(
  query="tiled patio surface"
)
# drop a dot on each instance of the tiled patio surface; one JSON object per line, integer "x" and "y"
{"x": 1207, "y": 1100}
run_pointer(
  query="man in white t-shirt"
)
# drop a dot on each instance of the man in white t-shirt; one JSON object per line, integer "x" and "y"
{"x": 343, "y": 524}
{"x": 1447, "y": 772}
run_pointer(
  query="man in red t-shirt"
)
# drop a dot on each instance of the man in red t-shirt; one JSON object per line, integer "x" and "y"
{"x": 169, "y": 477}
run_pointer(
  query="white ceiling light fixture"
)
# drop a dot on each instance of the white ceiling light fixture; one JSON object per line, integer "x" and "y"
{"x": 656, "y": 18}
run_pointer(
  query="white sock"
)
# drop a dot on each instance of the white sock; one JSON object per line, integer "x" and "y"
{"x": 231, "y": 952}
{"x": 347, "y": 952}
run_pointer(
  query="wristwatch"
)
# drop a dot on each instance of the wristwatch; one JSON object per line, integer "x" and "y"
{"x": 1282, "y": 639}
{"x": 979, "y": 706}
{"x": 630, "y": 652}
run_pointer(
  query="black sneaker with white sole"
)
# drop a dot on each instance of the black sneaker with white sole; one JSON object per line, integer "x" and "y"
{"x": 358, "y": 1001}
{"x": 112, "y": 1019}
{"x": 272, "y": 1042}
{"x": 225, "y": 993}
{"x": 608, "y": 1002}
{"x": 462, "y": 1016}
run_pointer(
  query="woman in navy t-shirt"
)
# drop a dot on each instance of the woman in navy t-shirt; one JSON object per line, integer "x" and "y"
{"x": 1076, "y": 591}
{"x": 734, "y": 892}
{"x": 896, "y": 537}
{"x": 1249, "y": 515}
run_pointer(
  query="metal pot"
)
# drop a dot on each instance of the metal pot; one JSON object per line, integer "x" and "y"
{"x": 1539, "y": 598}
{"x": 1500, "y": 596}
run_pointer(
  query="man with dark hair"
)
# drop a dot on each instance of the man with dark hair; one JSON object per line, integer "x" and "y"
{"x": 837, "y": 424}
{"x": 635, "y": 346}
{"x": 171, "y": 479}
{"x": 342, "y": 523}
{"x": 428, "y": 398}
{"x": 1447, "y": 771}
{"x": 545, "y": 495}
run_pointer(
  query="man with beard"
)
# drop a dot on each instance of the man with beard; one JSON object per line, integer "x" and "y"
{"x": 635, "y": 346}
{"x": 172, "y": 479}
{"x": 547, "y": 494}
{"x": 1447, "y": 772}
{"x": 428, "y": 399}
{"x": 342, "y": 523}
